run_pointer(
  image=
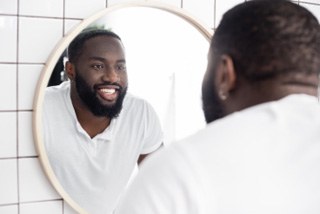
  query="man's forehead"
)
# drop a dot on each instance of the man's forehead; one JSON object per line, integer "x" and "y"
{"x": 103, "y": 44}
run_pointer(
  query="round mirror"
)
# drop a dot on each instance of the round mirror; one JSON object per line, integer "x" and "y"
{"x": 166, "y": 53}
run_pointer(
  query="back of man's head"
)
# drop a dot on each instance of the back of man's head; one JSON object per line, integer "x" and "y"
{"x": 266, "y": 38}
{"x": 262, "y": 50}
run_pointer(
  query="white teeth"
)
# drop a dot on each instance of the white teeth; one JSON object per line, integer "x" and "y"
{"x": 108, "y": 90}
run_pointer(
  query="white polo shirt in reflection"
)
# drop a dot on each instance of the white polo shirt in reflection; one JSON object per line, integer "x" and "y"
{"x": 95, "y": 172}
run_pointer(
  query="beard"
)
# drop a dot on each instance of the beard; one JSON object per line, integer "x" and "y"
{"x": 211, "y": 104}
{"x": 90, "y": 99}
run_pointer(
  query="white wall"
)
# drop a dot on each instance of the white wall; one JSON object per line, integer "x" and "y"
{"x": 29, "y": 30}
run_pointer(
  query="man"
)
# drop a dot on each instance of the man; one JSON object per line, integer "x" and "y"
{"x": 94, "y": 132}
{"x": 260, "y": 152}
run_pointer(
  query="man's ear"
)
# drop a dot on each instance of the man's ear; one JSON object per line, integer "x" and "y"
{"x": 70, "y": 70}
{"x": 226, "y": 76}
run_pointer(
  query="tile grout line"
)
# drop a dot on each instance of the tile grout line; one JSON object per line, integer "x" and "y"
{"x": 17, "y": 105}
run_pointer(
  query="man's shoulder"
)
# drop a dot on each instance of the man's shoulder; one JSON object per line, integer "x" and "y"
{"x": 54, "y": 95}
{"x": 57, "y": 89}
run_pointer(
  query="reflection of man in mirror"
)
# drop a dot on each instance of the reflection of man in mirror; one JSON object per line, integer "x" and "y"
{"x": 260, "y": 152}
{"x": 95, "y": 132}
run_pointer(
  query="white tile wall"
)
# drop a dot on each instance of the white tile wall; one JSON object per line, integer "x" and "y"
{"x": 8, "y": 38}
{"x": 33, "y": 185}
{"x": 83, "y": 8}
{"x": 49, "y": 207}
{"x": 8, "y": 86}
{"x": 9, "y": 7}
{"x": 113, "y": 2}
{"x": 48, "y": 8}
{"x": 8, "y": 181}
{"x": 40, "y": 24}
{"x": 10, "y": 209}
{"x": 35, "y": 43}
{"x": 26, "y": 144}
{"x": 27, "y": 77}
{"x": 176, "y": 3}
{"x": 8, "y": 139}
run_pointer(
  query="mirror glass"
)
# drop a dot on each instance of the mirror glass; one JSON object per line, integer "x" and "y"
{"x": 166, "y": 53}
{"x": 166, "y": 60}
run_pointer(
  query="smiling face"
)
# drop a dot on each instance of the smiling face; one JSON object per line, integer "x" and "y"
{"x": 100, "y": 76}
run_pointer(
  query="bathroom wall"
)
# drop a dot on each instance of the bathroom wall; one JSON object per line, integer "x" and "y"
{"x": 29, "y": 30}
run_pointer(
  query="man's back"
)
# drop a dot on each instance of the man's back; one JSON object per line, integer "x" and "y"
{"x": 264, "y": 159}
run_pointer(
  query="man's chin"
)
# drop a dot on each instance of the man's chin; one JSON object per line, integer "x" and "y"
{"x": 108, "y": 104}
{"x": 110, "y": 109}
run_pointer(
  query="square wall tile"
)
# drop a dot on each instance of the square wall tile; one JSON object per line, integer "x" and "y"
{"x": 47, "y": 8}
{"x": 8, "y": 38}
{"x": 313, "y": 8}
{"x": 83, "y": 8}
{"x": 47, "y": 207}
{"x": 113, "y": 2}
{"x": 8, "y": 87}
{"x": 223, "y": 6}
{"x": 11, "y": 209}
{"x": 37, "y": 38}
{"x": 204, "y": 12}
{"x": 26, "y": 142}
{"x": 8, "y": 181}
{"x": 34, "y": 185}
{"x": 28, "y": 78}
{"x": 8, "y": 139}
{"x": 9, "y": 7}
{"x": 176, "y": 3}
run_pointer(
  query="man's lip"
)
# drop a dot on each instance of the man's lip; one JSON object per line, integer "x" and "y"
{"x": 109, "y": 94}
{"x": 111, "y": 86}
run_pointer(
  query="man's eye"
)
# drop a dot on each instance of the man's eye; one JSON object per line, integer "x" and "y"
{"x": 97, "y": 66}
{"x": 121, "y": 67}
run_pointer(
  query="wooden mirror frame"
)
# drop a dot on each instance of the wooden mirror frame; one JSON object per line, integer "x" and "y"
{"x": 53, "y": 59}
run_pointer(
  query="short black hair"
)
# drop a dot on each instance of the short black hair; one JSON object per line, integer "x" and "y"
{"x": 75, "y": 48}
{"x": 266, "y": 38}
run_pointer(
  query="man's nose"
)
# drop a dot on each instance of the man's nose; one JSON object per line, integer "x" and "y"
{"x": 111, "y": 75}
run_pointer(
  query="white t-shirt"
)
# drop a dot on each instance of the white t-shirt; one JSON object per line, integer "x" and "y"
{"x": 264, "y": 159}
{"x": 95, "y": 172}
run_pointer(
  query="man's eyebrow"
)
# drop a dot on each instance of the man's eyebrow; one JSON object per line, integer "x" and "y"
{"x": 96, "y": 58}
{"x": 121, "y": 61}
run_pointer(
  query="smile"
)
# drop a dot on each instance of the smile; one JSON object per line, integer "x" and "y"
{"x": 109, "y": 92}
